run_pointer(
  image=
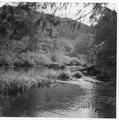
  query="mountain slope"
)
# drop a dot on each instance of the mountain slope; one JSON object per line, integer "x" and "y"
{"x": 26, "y": 34}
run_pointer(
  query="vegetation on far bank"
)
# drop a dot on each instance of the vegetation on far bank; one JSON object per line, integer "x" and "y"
{"x": 32, "y": 38}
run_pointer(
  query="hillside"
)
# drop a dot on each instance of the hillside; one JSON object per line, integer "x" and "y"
{"x": 27, "y": 34}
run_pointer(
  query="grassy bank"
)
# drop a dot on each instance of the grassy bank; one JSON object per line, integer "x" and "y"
{"x": 14, "y": 82}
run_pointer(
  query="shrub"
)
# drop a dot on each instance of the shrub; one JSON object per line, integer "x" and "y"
{"x": 60, "y": 58}
{"x": 38, "y": 59}
{"x": 66, "y": 60}
{"x": 56, "y": 57}
{"x": 76, "y": 61}
{"x": 52, "y": 75}
{"x": 77, "y": 74}
{"x": 63, "y": 76}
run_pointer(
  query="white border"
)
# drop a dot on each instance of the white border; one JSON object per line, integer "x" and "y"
{"x": 81, "y": 1}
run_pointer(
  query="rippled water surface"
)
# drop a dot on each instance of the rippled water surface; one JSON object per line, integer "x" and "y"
{"x": 59, "y": 100}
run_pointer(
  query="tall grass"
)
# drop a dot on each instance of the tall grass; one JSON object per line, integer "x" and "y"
{"x": 12, "y": 83}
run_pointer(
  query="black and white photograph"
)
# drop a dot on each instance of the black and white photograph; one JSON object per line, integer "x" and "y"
{"x": 58, "y": 59}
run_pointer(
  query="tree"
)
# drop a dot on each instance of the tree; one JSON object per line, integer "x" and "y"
{"x": 106, "y": 32}
{"x": 23, "y": 20}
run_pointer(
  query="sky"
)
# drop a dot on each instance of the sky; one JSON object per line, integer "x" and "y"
{"x": 71, "y": 11}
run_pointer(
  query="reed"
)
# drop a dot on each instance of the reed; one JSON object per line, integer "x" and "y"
{"x": 14, "y": 84}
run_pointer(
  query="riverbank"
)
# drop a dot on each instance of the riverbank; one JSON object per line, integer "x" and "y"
{"x": 14, "y": 82}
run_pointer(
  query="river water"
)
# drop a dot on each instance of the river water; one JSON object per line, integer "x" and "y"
{"x": 59, "y": 100}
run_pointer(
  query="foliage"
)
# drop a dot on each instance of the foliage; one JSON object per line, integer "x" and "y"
{"x": 12, "y": 82}
{"x": 64, "y": 76}
{"x": 85, "y": 46}
{"x": 106, "y": 33}
{"x": 38, "y": 59}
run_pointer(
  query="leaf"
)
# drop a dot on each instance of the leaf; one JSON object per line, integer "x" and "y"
{"x": 78, "y": 12}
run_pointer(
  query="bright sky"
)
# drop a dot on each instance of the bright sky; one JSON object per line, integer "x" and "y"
{"x": 72, "y": 10}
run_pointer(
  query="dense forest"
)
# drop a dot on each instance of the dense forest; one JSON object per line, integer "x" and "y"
{"x": 32, "y": 38}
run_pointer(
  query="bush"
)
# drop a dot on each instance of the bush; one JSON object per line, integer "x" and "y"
{"x": 56, "y": 57}
{"x": 39, "y": 59}
{"x": 52, "y": 75}
{"x": 60, "y": 58}
{"x": 77, "y": 74}
{"x": 76, "y": 61}
{"x": 56, "y": 66}
{"x": 66, "y": 60}
{"x": 63, "y": 76}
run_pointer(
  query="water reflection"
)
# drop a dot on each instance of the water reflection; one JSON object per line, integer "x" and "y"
{"x": 59, "y": 100}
